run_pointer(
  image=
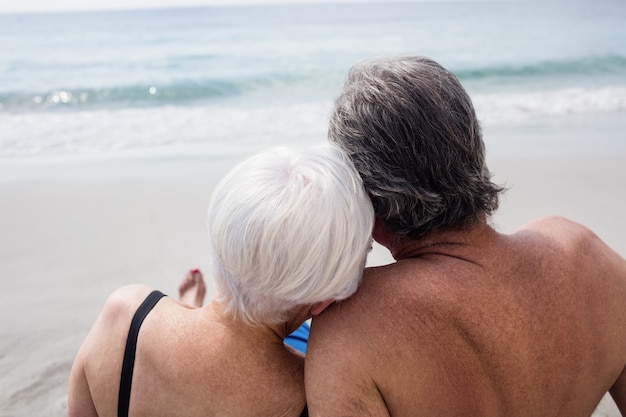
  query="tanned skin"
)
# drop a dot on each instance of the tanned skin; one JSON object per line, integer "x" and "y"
{"x": 190, "y": 361}
{"x": 477, "y": 323}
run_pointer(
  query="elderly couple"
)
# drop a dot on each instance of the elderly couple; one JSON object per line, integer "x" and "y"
{"x": 466, "y": 322}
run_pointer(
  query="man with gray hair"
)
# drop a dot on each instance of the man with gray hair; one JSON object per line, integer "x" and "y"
{"x": 467, "y": 321}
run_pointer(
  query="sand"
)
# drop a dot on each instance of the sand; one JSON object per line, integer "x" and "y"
{"x": 74, "y": 229}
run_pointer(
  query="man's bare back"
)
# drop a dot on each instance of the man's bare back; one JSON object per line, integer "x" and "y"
{"x": 477, "y": 323}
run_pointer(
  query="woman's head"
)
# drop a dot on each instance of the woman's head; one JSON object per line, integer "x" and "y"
{"x": 288, "y": 228}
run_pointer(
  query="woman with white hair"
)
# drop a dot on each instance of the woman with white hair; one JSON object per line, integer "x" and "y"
{"x": 289, "y": 234}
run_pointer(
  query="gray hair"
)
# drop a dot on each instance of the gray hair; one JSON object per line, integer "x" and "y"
{"x": 287, "y": 229}
{"x": 411, "y": 130}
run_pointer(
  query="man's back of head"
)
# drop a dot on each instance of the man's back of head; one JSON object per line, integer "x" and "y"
{"x": 411, "y": 119}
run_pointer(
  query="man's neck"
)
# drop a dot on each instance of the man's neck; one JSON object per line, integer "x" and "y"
{"x": 451, "y": 243}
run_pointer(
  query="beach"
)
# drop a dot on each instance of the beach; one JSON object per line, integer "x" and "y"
{"x": 75, "y": 229}
{"x": 115, "y": 126}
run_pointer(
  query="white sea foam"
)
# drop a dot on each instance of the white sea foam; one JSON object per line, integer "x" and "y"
{"x": 106, "y": 130}
{"x": 505, "y": 108}
{"x": 61, "y": 132}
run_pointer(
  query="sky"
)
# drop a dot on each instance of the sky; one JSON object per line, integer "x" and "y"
{"x": 18, "y": 6}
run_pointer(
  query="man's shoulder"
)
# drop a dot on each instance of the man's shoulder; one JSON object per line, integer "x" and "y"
{"x": 563, "y": 230}
{"x": 381, "y": 303}
{"x": 555, "y": 222}
{"x": 570, "y": 246}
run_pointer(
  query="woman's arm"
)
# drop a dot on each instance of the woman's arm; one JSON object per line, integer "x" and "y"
{"x": 79, "y": 401}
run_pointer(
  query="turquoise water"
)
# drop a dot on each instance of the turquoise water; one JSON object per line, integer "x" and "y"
{"x": 229, "y": 76}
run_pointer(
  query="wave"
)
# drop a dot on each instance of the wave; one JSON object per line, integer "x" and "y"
{"x": 110, "y": 130}
{"x": 222, "y": 126}
{"x": 305, "y": 82}
{"x": 172, "y": 93}
{"x": 593, "y": 65}
{"x": 124, "y": 96}
{"x": 505, "y": 108}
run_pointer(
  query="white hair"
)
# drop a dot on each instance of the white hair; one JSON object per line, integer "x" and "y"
{"x": 286, "y": 229}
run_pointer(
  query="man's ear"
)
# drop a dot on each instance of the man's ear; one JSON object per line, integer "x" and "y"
{"x": 317, "y": 308}
{"x": 380, "y": 233}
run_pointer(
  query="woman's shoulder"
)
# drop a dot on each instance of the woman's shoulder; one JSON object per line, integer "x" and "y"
{"x": 124, "y": 301}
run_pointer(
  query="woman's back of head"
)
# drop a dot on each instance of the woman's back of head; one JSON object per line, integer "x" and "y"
{"x": 288, "y": 228}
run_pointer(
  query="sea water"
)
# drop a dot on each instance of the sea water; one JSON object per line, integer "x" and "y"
{"x": 221, "y": 78}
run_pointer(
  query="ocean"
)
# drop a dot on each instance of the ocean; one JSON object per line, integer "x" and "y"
{"x": 224, "y": 79}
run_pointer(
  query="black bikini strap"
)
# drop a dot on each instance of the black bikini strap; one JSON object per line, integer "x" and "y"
{"x": 128, "y": 364}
